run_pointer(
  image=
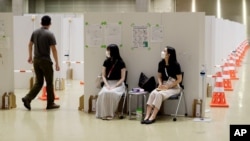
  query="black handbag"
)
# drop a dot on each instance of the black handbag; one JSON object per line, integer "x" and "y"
{"x": 148, "y": 84}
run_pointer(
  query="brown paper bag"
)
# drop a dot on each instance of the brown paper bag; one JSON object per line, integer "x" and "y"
{"x": 81, "y": 103}
{"x": 12, "y": 100}
{"x": 92, "y": 103}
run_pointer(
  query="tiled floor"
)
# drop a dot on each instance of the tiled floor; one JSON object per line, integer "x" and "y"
{"x": 68, "y": 123}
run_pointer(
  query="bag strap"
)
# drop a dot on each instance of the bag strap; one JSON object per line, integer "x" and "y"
{"x": 166, "y": 72}
{"x": 111, "y": 69}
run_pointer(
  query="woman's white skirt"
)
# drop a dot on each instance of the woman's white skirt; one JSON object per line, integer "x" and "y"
{"x": 108, "y": 100}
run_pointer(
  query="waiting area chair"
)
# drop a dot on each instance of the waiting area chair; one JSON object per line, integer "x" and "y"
{"x": 123, "y": 101}
{"x": 179, "y": 97}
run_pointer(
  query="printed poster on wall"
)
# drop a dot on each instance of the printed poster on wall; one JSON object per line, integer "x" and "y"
{"x": 94, "y": 36}
{"x": 113, "y": 34}
{"x": 140, "y": 36}
{"x": 157, "y": 33}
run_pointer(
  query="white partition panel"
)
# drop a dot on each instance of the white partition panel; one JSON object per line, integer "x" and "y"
{"x": 6, "y": 54}
{"x": 218, "y": 44}
{"x": 94, "y": 55}
{"x": 23, "y": 27}
{"x": 226, "y": 36}
{"x": 141, "y": 59}
{"x": 209, "y": 47}
{"x": 222, "y": 37}
{"x": 240, "y": 34}
{"x": 184, "y": 31}
{"x": 72, "y": 44}
{"x": 29, "y": 23}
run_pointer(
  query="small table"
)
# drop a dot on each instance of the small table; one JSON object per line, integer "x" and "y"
{"x": 132, "y": 93}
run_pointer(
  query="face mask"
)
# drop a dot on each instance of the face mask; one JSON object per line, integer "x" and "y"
{"x": 107, "y": 53}
{"x": 163, "y": 54}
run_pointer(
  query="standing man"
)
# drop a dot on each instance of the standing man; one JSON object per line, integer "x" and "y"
{"x": 43, "y": 41}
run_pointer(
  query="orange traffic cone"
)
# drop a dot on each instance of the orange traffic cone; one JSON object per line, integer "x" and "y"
{"x": 242, "y": 49}
{"x": 233, "y": 57}
{"x": 218, "y": 98}
{"x": 226, "y": 78}
{"x": 238, "y": 60}
{"x": 81, "y": 83}
{"x": 44, "y": 94}
{"x": 232, "y": 71}
{"x": 238, "y": 63}
{"x": 245, "y": 46}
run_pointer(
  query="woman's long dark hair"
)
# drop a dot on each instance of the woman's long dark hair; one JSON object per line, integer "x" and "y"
{"x": 114, "y": 52}
{"x": 172, "y": 58}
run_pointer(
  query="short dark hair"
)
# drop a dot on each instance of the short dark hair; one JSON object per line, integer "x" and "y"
{"x": 46, "y": 20}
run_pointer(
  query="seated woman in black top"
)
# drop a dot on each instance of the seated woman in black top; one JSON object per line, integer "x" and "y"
{"x": 113, "y": 74}
{"x": 169, "y": 77}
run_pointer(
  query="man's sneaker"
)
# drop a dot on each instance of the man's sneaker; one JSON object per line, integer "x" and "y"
{"x": 26, "y": 103}
{"x": 53, "y": 106}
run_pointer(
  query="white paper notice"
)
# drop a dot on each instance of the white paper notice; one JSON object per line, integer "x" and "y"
{"x": 157, "y": 34}
{"x": 94, "y": 36}
{"x": 113, "y": 34}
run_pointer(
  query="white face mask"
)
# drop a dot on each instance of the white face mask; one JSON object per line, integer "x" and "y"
{"x": 107, "y": 53}
{"x": 163, "y": 54}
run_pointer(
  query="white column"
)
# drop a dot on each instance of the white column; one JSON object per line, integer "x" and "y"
{"x": 142, "y": 5}
{"x": 19, "y": 7}
{"x": 40, "y": 6}
{"x": 163, "y": 6}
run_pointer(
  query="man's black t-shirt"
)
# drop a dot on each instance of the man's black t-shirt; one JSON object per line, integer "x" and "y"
{"x": 169, "y": 70}
{"x": 115, "y": 74}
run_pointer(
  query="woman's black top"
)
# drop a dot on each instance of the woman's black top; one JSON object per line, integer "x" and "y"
{"x": 169, "y": 70}
{"x": 115, "y": 73}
